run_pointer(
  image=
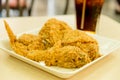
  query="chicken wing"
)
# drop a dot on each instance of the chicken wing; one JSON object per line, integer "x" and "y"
{"x": 25, "y": 43}
{"x": 56, "y": 44}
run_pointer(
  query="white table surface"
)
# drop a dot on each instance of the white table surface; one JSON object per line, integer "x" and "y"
{"x": 13, "y": 69}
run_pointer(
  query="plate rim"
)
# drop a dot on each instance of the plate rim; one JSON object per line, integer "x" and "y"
{"x": 62, "y": 74}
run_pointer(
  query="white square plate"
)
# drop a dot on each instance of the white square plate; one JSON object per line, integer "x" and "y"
{"x": 106, "y": 46}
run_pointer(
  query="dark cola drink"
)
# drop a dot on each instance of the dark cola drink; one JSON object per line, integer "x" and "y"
{"x": 87, "y": 14}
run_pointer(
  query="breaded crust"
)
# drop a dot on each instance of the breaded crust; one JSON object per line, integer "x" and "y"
{"x": 56, "y": 44}
{"x": 85, "y": 42}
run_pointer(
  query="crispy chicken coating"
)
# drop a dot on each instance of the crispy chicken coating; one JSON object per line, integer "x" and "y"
{"x": 33, "y": 42}
{"x": 25, "y": 43}
{"x": 53, "y": 31}
{"x": 38, "y": 55}
{"x": 56, "y": 44}
{"x": 85, "y": 42}
{"x": 42, "y": 55}
{"x": 67, "y": 57}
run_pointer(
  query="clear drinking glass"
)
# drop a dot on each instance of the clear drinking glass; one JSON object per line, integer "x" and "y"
{"x": 87, "y": 14}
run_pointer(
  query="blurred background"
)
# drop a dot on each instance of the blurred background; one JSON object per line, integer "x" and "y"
{"x": 11, "y": 8}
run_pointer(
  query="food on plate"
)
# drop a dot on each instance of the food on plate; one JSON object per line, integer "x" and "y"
{"x": 56, "y": 44}
{"x": 52, "y": 31}
{"x": 24, "y": 43}
{"x": 42, "y": 55}
{"x": 33, "y": 42}
{"x": 38, "y": 55}
{"x": 85, "y": 42}
{"x": 68, "y": 57}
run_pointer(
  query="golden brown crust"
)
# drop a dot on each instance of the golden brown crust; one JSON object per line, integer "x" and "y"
{"x": 77, "y": 35}
{"x": 42, "y": 55}
{"x": 10, "y": 33}
{"x": 85, "y": 42}
{"x": 37, "y": 55}
{"x": 68, "y": 57}
{"x": 20, "y": 48}
{"x": 57, "y": 45}
{"x": 53, "y": 31}
{"x": 24, "y": 43}
{"x": 33, "y": 42}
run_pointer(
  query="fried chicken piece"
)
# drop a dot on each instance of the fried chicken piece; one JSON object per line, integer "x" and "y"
{"x": 38, "y": 55}
{"x": 57, "y": 44}
{"x": 53, "y": 31}
{"x": 25, "y": 43}
{"x": 85, "y": 42}
{"x": 26, "y": 39}
{"x": 42, "y": 55}
{"x": 33, "y": 42}
{"x": 67, "y": 57}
